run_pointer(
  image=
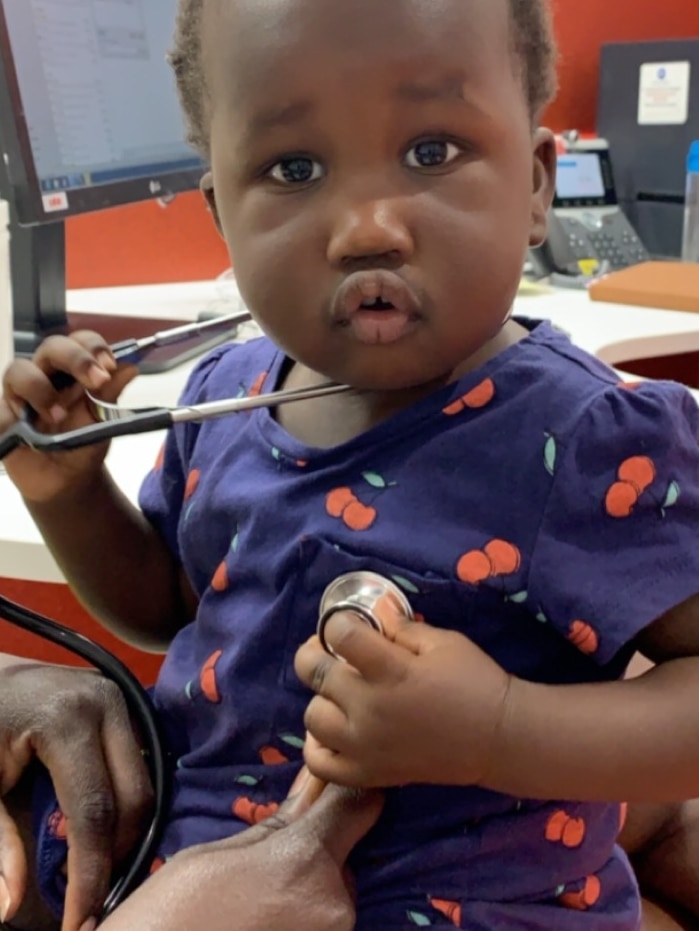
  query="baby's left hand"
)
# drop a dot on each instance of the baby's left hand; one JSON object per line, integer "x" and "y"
{"x": 419, "y": 705}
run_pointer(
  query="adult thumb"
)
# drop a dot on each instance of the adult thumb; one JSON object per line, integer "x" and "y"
{"x": 340, "y": 818}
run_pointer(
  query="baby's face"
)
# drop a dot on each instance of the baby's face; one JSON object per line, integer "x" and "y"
{"x": 368, "y": 150}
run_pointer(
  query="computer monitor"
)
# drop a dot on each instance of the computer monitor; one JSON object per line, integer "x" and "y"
{"x": 89, "y": 119}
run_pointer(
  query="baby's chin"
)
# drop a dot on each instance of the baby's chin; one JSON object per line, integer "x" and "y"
{"x": 417, "y": 364}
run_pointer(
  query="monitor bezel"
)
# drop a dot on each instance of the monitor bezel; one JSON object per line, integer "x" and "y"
{"x": 20, "y": 169}
{"x": 608, "y": 199}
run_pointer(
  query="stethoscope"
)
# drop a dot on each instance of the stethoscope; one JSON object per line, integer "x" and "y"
{"x": 363, "y": 593}
{"x": 113, "y": 420}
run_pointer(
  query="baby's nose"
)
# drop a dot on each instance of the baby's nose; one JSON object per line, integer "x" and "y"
{"x": 370, "y": 232}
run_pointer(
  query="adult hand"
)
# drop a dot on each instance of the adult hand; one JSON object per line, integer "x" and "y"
{"x": 418, "y": 705}
{"x": 76, "y": 723}
{"x": 285, "y": 873}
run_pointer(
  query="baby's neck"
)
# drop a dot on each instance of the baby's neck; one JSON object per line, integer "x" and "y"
{"x": 331, "y": 421}
{"x": 510, "y": 334}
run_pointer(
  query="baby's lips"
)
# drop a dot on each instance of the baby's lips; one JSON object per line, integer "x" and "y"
{"x": 363, "y": 286}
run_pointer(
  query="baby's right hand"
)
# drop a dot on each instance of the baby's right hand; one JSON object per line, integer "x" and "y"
{"x": 85, "y": 356}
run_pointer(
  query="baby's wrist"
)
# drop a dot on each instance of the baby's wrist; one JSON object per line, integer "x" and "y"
{"x": 78, "y": 491}
{"x": 501, "y": 757}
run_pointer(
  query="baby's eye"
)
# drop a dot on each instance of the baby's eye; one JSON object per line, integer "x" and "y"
{"x": 433, "y": 153}
{"x": 296, "y": 170}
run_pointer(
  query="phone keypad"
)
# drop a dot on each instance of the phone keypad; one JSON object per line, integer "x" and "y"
{"x": 610, "y": 239}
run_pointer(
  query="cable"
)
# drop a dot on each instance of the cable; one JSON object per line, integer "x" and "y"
{"x": 139, "y": 704}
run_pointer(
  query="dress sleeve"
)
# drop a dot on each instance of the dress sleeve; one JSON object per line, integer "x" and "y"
{"x": 618, "y": 544}
{"x": 164, "y": 489}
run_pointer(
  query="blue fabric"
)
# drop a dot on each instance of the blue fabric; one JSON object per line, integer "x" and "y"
{"x": 536, "y": 506}
{"x": 51, "y": 847}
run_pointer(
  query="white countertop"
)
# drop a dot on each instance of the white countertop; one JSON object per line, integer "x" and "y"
{"x": 612, "y": 332}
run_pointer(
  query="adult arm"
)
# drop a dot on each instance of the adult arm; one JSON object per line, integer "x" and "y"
{"x": 285, "y": 873}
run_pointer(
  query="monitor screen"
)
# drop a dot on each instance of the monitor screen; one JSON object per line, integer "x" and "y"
{"x": 94, "y": 103}
{"x": 89, "y": 119}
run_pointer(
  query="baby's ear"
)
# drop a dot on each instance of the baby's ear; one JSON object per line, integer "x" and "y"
{"x": 544, "y": 184}
{"x": 206, "y": 186}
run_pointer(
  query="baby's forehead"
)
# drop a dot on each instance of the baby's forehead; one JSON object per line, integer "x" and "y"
{"x": 254, "y": 40}
{"x": 353, "y": 19}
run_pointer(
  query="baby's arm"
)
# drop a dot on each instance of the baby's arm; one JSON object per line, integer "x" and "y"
{"x": 632, "y": 740}
{"x": 656, "y": 918}
{"x": 609, "y": 572}
{"x": 118, "y": 565}
{"x": 427, "y": 705}
{"x": 662, "y": 841}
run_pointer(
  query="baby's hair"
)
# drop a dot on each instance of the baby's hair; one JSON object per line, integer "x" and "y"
{"x": 532, "y": 38}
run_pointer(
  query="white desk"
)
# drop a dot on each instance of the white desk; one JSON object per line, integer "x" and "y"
{"x": 613, "y": 333}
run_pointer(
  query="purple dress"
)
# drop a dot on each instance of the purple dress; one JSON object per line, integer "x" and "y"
{"x": 536, "y": 506}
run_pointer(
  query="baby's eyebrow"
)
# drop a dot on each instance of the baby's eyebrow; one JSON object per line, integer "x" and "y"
{"x": 273, "y": 117}
{"x": 450, "y": 88}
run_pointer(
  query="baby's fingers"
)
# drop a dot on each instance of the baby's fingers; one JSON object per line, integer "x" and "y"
{"x": 37, "y": 382}
{"x": 84, "y": 355}
{"x": 92, "y": 365}
{"x": 25, "y": 384}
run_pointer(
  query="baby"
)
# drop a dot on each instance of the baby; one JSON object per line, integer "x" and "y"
{"x": 378, "y": 172}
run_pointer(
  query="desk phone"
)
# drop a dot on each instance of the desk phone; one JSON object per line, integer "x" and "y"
{"x": 587, "y": 225}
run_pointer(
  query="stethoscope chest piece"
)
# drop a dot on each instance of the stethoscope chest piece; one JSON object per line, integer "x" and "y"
{"x": 365, "y": 594}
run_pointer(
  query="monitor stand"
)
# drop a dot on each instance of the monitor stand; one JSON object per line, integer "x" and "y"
{"x": 39, "y": 304}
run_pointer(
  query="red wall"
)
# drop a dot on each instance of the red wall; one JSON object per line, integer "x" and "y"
{"x": 148, "y": 243}
{"x": 582, "y": 27}
{"x": 145, "y": 243}
{"x": 57, "y": 602}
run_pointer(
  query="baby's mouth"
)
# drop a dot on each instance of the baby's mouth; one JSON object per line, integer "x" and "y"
{"x": 376, "y": 293}
{"x": 377, "y": 304}
{"x": 377, "y": 307}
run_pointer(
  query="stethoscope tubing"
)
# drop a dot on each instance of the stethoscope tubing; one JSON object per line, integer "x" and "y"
{"x": 139, "y": 704}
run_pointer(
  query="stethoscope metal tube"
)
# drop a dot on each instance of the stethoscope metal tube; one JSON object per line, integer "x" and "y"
{"x": 113, "y": 420}
{"x": 118, "y": 421}
{"x": 134, "y": 351}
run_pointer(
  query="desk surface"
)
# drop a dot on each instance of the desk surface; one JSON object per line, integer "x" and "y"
{"x": 614, "y": 333}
